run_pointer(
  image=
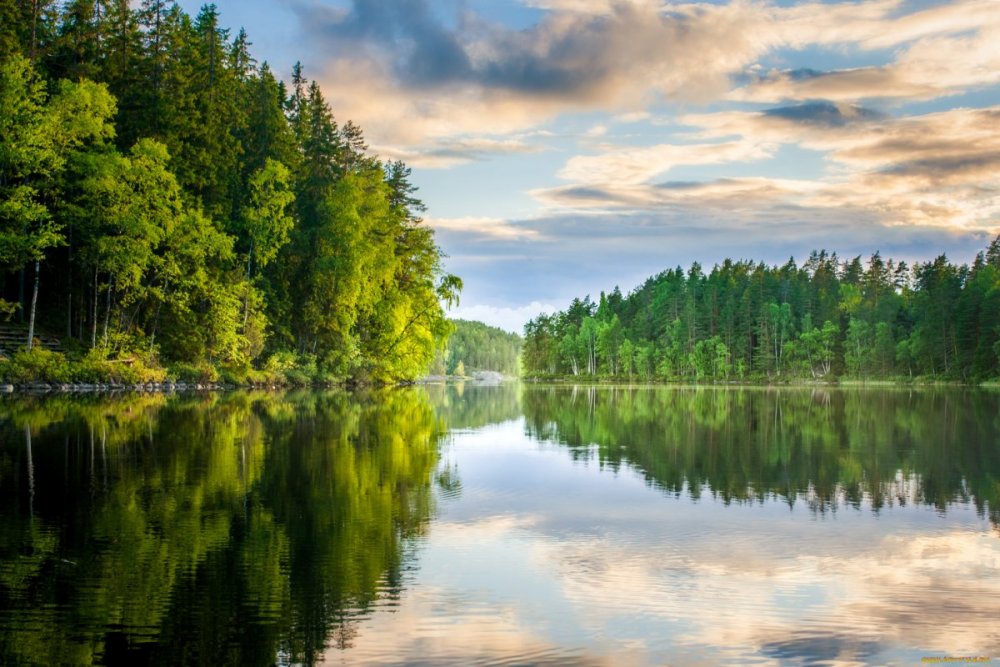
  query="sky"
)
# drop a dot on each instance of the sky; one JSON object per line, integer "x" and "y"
{"x": 565, "y": 147}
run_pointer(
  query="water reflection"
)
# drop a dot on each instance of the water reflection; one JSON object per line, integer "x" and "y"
{"x": 549, "y": 559}
{"x": 501, "y": 525}
{"x": 467, "y": 405}
{"x": 235, "y": 529}
{"x": 824, "y": 446}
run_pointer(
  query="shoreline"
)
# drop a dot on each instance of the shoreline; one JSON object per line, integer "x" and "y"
{"x": 790, "y": 382}
{"x": 64, "y": 389}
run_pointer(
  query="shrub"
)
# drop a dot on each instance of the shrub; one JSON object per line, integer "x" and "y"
{"x": 135, "y": 368}
{"x": 197, "y": 373}
{"x": 35, "y": 365}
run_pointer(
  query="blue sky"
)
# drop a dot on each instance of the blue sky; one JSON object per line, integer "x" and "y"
{"x": 564, "y": 147}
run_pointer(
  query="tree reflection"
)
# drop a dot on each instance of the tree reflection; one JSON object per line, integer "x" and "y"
{"x": 236, "y": 529}
{"x": 824, "y": 446}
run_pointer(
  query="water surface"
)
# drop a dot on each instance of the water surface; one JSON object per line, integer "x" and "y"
{"x": 502, "y": 525}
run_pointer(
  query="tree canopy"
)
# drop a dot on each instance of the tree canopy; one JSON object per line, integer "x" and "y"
{"x": 822, "y": 319}
{"x": 163, "y": 193}
{"x": 479, "y": 347}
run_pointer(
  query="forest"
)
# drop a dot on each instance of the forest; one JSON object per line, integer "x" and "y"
{"x": 170, "y": 205}
{"x": 474, "y": 346}
{"x": 823, "y": 320}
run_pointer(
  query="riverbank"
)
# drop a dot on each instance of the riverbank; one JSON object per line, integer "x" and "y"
{"x": 42, "y": 370}
{"x": 104, "y": 387}
{"x": 920, "y": 381}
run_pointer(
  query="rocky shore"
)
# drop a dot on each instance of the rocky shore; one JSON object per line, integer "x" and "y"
{"x": 83, "y": 388}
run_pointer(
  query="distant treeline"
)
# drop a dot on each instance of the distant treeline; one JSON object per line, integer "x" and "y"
{"x": 747, "y": 321}
{"x": 166, "y": 199}
{"x": 475, "y": 346}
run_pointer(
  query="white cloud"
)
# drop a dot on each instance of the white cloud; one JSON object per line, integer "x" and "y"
{"x": 596, "y": 132}
{"x": 948, "y": 49}
{"x": 934, "y": 170}
{"x": 410, "y": 79}
{"x": 637, "y": 165}
{"x": 448, "y": 153}
{"x": 880, "y": 24}
{"x": 590, "y": 6}
{"x": 632, "y": 117}
{"x": 487, "y": 228}
{"x": 511, "y": 80}
{"x": 508, "y": 318}
{"x": 439, "y": 93}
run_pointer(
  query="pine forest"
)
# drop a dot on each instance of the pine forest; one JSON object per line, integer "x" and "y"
{"x": 166, "y": 201}
{"x": 746, "y": 321}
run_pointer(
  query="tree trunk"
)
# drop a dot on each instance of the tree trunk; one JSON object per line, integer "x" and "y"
{"x": 107, "y": 315}
{"x": 156, "y": 321}
{"x": 93, "y": 318}
{"x": 20, "y": 295}
{"x": 69, "y": 285}
{"x": 34, "y": 29}
{"x": 246, "y": 299}
{"x": 34, "y": 301}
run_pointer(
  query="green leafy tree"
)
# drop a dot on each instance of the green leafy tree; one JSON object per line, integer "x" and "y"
{"x": 570, "y": 350}
{"x": 38, "y": 136}
{"x": 818, "y": 346}
{"x": 626, "y": 357}
{"x": 266, "y": 218}
{"x": 483, "y": 348}
{"x": 858, "y": 347}
{"x": 610, "y": 335}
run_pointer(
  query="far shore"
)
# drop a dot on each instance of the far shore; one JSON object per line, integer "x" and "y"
{"x": 481, "y": 379}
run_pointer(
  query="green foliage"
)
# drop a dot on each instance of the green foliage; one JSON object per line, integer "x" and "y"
{"x": 265, "y": 218}
{"x": 201, "y": 373}
{"x": 39, "y": 135}
{"x": 35, "y": 365}
{"x": 480, "y": 347}
{"x": 753, "y": 322}
{"x": 134, "y": 368}
{"x": 227, "y": 222}
{"x": 41, "y": 365}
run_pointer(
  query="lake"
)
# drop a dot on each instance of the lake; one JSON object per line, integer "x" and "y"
{"x": 503, "y": 525}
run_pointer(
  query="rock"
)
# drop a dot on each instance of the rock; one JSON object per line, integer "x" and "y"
{"x": 6, "y": 388}
{"x": 487, "y": 377}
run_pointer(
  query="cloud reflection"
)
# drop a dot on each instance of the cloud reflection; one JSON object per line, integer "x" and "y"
{"x": 597, "y": 568}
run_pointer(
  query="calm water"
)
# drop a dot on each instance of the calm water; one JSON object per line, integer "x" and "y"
{"x": 502, "y": 525}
